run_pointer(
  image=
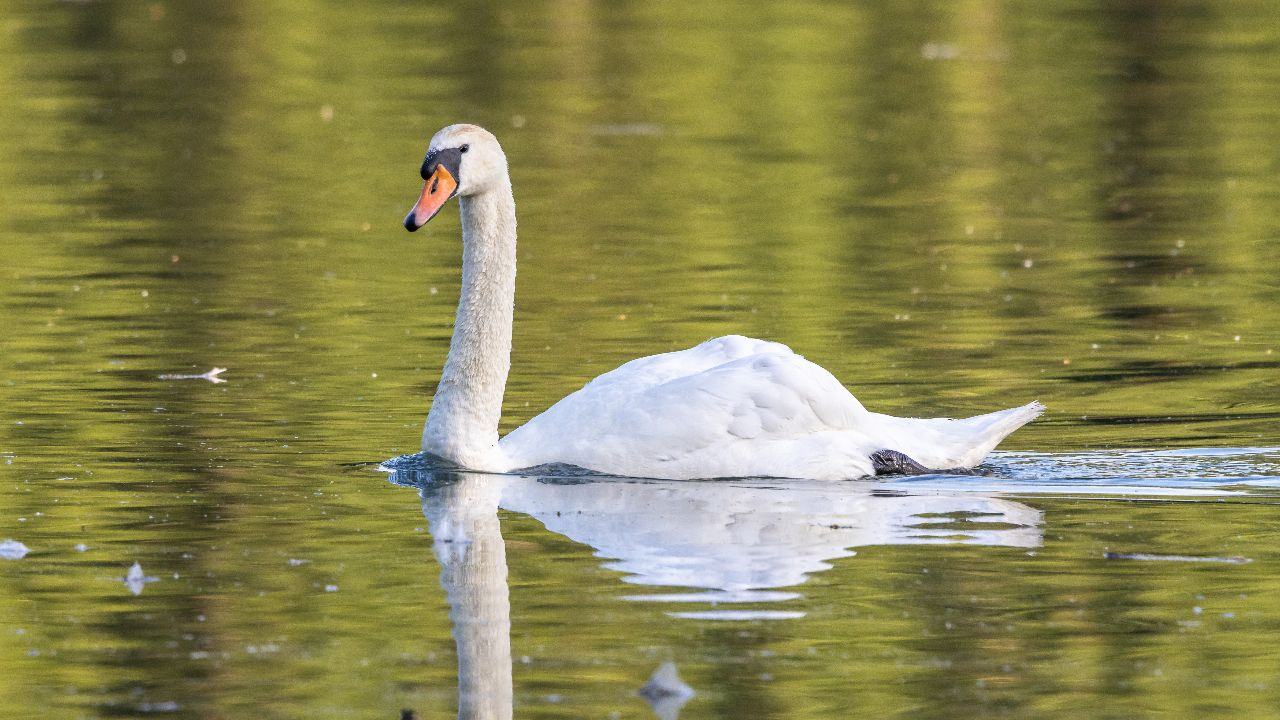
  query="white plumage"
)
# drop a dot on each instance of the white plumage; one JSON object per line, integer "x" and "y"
{"x": 730, "y": 407}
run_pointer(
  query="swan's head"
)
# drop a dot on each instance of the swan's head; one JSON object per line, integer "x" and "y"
{"x": 461, "y": 160}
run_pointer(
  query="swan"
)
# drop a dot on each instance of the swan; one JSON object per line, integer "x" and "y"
{"x": 730, "y": 407}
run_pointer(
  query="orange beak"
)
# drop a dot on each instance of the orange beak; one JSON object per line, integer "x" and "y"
{"x": 435, "y": 193}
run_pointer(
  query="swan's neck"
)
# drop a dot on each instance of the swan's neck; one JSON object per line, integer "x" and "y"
{"x": 463, "y": 423}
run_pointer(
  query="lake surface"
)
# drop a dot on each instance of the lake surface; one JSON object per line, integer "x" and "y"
{"x": 953, "y": 207}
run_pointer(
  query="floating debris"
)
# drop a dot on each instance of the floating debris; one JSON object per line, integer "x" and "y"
{"x": 211, "y": 376}
{"x": 1149, "y": 557}
{"x": 666, "y": 692}
{"x": 13, "y": 550}
{"x": 136, "y": 579}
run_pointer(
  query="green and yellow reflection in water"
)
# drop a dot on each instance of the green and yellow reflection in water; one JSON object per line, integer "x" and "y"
{"x": 954, "y": 207}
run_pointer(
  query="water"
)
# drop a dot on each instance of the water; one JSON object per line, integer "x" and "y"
{"x": 954, "y": 208}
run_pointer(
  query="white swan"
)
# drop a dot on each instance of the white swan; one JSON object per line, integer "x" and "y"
{"x": 730, "y": 407}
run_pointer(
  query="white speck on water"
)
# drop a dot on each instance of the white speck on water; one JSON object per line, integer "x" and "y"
{"x": 295, "y": 562}
{"x": 211, "y": 376}
{"x": 433, "y": 291}
{"x": 1197, "y": 610}
{"x": 1028, "y": 263}
{"x": 13, "y": 550}
{"x": 81, "y": 547}
{"x": 331, "y": 588}
{"x": 178, "y": 56}
{"x": 135, "y": 580}
{"x": 1236, "y": 338}
{"x": 166, "y": 706}
{"x": 639, "y": 129}
{"x": 666, "y": 688}
{"x": 939, "y": 51}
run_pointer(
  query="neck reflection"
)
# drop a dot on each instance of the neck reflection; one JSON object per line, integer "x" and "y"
{"x": 462, "y": 512}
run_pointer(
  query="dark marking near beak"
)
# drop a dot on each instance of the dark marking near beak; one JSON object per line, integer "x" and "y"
{"x": 450, "y": 158}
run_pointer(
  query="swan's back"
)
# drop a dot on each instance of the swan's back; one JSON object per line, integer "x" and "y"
{"x": 646, "y": 372}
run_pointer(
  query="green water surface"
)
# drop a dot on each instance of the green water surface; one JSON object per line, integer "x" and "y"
{"x": 954, "y": 207}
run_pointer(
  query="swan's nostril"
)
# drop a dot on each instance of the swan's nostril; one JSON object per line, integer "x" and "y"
{"x": 434, "y": 185}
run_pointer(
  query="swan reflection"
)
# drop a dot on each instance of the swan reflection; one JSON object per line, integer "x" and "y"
{"x": 728, "y": 541}
{"x": 738, "y": 540}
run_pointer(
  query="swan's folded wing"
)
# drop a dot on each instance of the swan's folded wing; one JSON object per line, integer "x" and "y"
{"x": 727, "y": 420}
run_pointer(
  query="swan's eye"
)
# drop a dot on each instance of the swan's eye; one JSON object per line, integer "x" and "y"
{"x": 464, "y": 148}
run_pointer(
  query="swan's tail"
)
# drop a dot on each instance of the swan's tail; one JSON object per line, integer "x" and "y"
{"x": 988, "y": 430}
{"x": 946, "y": 444}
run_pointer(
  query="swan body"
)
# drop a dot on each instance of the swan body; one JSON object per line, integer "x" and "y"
{"x": 730, "y": 407}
